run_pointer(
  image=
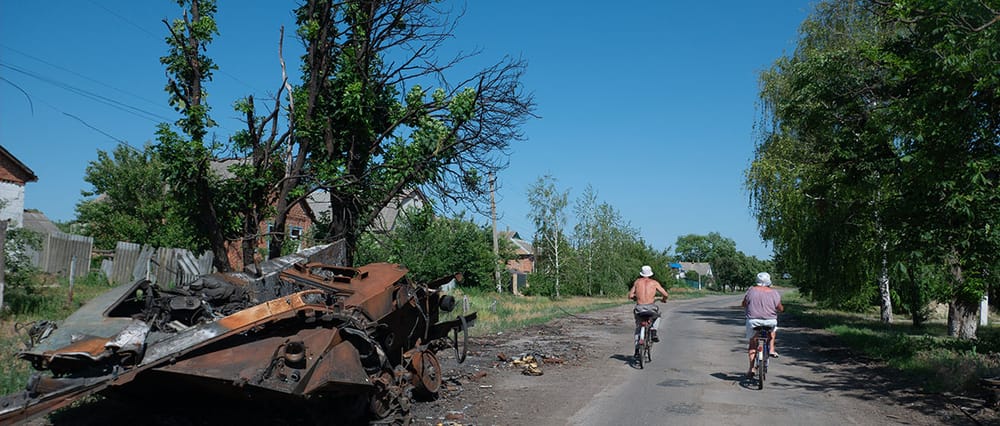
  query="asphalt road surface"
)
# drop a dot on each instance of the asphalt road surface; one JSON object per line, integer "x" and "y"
{"x": 696, "y": 377}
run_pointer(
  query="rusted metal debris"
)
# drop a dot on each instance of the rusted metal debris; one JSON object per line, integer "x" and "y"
{"x": 301, "y": 330}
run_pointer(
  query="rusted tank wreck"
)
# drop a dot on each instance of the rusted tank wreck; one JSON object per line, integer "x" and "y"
{"x": 300, "y": 331}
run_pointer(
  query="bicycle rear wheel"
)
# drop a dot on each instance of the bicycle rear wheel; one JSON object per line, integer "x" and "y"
{"x": 761, "y": 364}
{"x": 639, "y": 346}
{"x": 649, "y": 345}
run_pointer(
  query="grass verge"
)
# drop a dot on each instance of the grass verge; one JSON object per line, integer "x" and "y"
{"x": 499, "y": 312}
{"x": 46, "y": 301}
{"x": 926, "y": 355}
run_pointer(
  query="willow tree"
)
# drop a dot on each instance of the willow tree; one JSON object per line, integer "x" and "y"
{"x": 378, "y": 113}
{"x": 884, "y": 141}
{"x": 822, "y": 170}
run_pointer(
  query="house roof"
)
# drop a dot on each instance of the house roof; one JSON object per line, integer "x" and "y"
{"x": 21, "y": 171}
{"x": 521, "y": 247}
{"x": 38, "y": 222}
{"x": 702, "y": 268}
{"x": 319, "y": 205}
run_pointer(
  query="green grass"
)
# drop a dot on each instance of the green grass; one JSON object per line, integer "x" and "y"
{"x": 926, "y": 355}
{"x": 46, "y": 300}
{"x": 499, "y": 312}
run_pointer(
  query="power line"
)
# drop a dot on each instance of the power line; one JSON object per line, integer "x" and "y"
{"x": 31, "y": 105}
{"x": 56, "y": 66}
{"x": 159, "y": 37}
{"x": 138, "y": 112}
{"x": 98, "y": 130}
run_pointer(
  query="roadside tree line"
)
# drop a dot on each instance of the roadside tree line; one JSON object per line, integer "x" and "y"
{"x": 878, "y": 157}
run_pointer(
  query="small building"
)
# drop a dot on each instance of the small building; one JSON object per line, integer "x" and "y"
{"x": 13, "y": 177}
{"x": 703, "y": 269}
{"x": 523, "y": 264}
{"x": 319, "y": 206}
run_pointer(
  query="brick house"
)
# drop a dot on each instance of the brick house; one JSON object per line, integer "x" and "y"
{"x": 524, "y": 264}
{"x": 298, "y": 222}
{"x": 13, "y": 177}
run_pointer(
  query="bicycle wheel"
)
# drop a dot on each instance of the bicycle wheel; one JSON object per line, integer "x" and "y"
{"x": 639, "y": 353}
{"x": 639, "y": 347}
{"x": 761, "y": 362}
{"x": 649, "y": 345}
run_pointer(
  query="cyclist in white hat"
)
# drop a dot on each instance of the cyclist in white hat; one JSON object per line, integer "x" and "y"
{"x": 762, "y": 304}
{"x": 644, "y": 291}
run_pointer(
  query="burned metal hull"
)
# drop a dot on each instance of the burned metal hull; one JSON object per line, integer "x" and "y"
{"x": 301, "y": 330}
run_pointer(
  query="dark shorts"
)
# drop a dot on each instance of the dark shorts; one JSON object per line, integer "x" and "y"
{"x": 650, "y": 310}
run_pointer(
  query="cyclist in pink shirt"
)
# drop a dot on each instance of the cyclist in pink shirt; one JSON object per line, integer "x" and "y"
{"x": 762, "y": 304}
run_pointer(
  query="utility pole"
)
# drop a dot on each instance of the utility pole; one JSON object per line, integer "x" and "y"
{"x": 496, "y": 245}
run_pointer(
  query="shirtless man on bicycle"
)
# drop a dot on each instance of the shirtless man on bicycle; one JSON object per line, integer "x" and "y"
{"x": 644, "y": 291}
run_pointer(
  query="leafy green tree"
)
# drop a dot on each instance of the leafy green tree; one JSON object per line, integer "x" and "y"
{"x": 946, "y": 104}
{"x": 703, "y": 248}
{"x": 366, "y": 128}
{"x": 822, "y": 172}
{"x": 251, "y": 193}
{"x": 187, "y": 160}
{"x": 881, "y": 149}
{"x": 129, "y": 202}
{"x": 548, "y": 213}
{"x": 433, "y": 247}
{"x": 604, "y": 244}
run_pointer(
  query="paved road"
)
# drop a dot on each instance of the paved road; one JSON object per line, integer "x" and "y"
{"x": 697, "y": 377}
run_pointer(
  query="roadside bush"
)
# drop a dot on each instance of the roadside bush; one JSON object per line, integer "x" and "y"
{"x": 21, "y": 277}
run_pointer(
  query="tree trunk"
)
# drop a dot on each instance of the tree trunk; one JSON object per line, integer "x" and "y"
{"x": 248, "y": 246}
{"x": 962, "y": 313}
{"x": 963, "y": 319}
{"x": 210, "y": 224}
{"x": 883, "y": 278}
{"x": 883, "y": 288}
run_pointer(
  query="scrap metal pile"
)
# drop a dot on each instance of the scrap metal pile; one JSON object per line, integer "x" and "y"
{"x": 300, "y": 330}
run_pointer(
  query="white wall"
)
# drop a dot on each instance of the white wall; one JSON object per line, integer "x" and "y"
{"x": 13, "y": 197}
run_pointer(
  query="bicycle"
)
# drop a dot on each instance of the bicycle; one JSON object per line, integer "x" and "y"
{"x": 763, "y": 356}
{"x": 643, "y": 337}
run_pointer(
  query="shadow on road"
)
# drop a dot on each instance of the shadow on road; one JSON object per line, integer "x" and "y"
{"x": 729, "y": 317}
{"x": 629, "y": 360}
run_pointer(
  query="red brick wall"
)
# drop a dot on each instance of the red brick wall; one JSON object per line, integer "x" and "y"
{"x": 296, "y": 217}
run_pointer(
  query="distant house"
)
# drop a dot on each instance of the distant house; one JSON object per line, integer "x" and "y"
{"x": 315, "y": 208}
{"x": 704, "y": 270}
{"x": 38, "y": 222}
{"x": 524, "y": 264}
{"x": 319, "y": 205}
{"x": 298, "y": 222}
{"x": 13, "y": 177}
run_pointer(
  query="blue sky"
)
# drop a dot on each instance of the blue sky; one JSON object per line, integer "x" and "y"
{"x": 650, "y": 102}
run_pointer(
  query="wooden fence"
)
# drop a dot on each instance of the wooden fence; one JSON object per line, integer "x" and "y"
{"x": 62, "y": 254}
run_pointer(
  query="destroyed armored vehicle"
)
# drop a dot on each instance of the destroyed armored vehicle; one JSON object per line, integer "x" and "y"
{"x": 300, "y": 331}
